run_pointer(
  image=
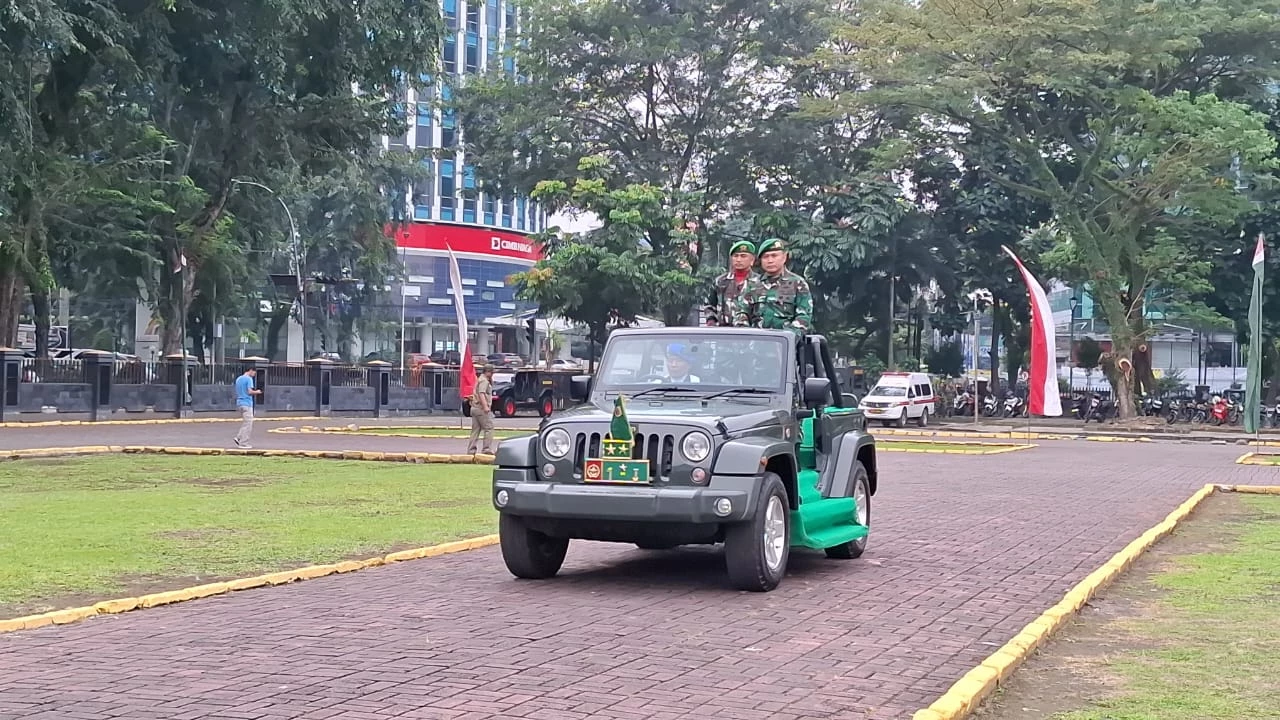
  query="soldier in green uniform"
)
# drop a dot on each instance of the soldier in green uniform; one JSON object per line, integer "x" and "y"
{"x": 777, "y": 299}
{"x": 742, "y": 256}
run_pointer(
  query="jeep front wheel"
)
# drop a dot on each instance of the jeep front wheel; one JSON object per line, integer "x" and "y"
{"x": 756, "y": 550}
{"x": 862, "y": 516}
{"x": 528, "y": 553}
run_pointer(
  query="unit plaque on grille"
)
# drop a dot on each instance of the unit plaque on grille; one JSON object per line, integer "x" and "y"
{"x": 616, "y": 464}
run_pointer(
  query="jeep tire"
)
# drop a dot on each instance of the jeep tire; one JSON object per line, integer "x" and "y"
{"x": 862, "y": 496}
{"x": 756, "y": 550}
{"x": 528, "y": 553}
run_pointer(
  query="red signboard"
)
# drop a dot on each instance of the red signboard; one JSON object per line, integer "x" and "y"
{"x": 469, "y": 240}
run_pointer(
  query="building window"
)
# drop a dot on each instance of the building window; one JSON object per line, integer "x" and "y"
{"x": 492, "y": 17}
{"x": 473, "y": 16}
{"x": 424, "y": 116}
{"x": 448, "y": 128}
{"x": 488, "y": 209}
{"x": 447, "y": 189}
{"x": 473, "y": 53}
{"x": 469, "y": 177}
{"x": 511, "y": 20}
{"x": 488, "y": 296}
{"x": 423, "y": 196}
{"x": 451, "y": 13}
{"x": 506, "y": 212}
{"x": 468, "y": 209}
{"x": 451, "y": 55}
{"x": 520, "y": 214}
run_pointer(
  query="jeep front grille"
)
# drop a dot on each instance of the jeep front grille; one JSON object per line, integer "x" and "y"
{"x": 659, "y": 450}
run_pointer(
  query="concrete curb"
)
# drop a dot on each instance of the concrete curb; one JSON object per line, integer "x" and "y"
{"x": 968, "y": 693}
{"x": 353, "y": 428}
{"x": 149, "y": 421}
{"x": 368, "y": 432}
{"x": 123, "y": 605}
{"x": 994, "y": 448}
{"x": 1259, "y": 458}
{"x": 409, "y": 457}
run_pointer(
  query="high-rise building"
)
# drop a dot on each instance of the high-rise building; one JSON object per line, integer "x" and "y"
{"x": 488, "y": 234}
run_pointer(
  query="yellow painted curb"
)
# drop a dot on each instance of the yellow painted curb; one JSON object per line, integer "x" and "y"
{"x": 988, "y": 448}
{"x": 282, "y": 577}
{"x": 365, "y": 455}
{"x": 368, "y": 432}
{"x": 148, "y": 421}
{"x": 353, "y": 429}
{"x": 967, "y": 693}
{"x": 1258, "y": 458}
{"x": 1251, "y": 489}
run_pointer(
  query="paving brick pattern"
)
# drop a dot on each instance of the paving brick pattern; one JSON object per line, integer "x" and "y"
{"x": 965, "y": 551}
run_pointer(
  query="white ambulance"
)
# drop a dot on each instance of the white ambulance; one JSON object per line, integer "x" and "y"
{"x": 898, "y": 397}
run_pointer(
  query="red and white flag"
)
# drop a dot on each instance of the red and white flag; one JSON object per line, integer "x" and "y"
{"x": 1042, "y": 387}
{"x": 467, "y": 373}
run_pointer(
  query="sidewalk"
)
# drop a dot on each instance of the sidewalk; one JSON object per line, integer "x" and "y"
{"x": 1049, "y": 429}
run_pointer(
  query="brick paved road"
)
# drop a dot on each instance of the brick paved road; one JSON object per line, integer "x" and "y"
{"x": 965, "y": 551}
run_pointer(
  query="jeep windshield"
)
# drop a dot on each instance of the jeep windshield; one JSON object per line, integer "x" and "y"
{"x": 685, "y": 365}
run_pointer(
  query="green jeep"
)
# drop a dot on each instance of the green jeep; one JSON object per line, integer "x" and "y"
{"x": 694, "y": 436}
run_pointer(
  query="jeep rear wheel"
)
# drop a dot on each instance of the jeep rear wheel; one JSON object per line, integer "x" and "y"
{"x": 862, "y": 498}
{"x": 528, "y": 553}
{"x": 756, "y": 550}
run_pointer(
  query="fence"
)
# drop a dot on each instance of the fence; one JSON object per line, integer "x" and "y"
{"x": 102, "y": 386}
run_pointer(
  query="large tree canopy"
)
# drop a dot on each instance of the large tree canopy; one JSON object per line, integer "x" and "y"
{"x": 1125, "y": 136}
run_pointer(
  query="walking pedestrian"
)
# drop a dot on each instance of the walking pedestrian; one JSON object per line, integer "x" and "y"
{"x": 482, "y": 412}
{"x": 244, "y": 403}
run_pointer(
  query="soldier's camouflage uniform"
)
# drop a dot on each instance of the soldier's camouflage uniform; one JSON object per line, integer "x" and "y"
{"x": 725, "y": 295}
{"x": 780, "y": 302}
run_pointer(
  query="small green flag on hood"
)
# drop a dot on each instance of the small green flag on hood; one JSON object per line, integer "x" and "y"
{"x": 619, "y": 428}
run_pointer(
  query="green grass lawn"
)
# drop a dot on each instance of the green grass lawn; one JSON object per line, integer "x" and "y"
{"x": 1211, "y": 644}
{"x": 437, "y": 432}
{"x": 85, "y": 529}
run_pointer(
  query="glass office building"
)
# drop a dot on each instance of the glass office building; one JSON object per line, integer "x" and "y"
{"x": 488, "y": 233}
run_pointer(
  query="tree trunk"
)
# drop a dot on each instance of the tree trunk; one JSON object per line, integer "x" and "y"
{"x": 1122, "y": 388}
{"x": 40, "y": 312}
{"x": 12, "y": 292}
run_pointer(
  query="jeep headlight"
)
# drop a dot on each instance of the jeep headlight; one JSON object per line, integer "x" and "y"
{"x": 696, "y": 446}
{"x": 555, "y": 443}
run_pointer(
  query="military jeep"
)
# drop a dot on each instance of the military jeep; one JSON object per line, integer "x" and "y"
{"x": 694, "y": 436}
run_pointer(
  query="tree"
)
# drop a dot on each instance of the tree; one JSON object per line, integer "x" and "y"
{"x": 611, "y": 274}
{"x": 663, "y": 90}
{"x": 1122, "y": 134}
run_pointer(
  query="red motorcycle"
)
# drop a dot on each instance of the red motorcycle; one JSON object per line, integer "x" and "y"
{"x": 1220, "y": 411}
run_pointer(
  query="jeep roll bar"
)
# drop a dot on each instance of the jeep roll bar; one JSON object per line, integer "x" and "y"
{"x": 815, "y": 353}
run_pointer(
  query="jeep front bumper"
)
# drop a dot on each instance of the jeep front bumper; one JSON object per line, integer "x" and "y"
{"x": 525, "y": 494}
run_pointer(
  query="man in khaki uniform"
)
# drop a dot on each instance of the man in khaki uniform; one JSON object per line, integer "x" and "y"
{"x": 482, "y": 411}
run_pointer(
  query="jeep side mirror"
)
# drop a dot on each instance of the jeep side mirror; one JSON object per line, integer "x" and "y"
{"x": 580, "y": 387}
{"x": 817, "y": 390}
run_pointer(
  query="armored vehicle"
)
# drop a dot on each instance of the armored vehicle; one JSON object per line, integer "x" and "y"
{"x": 691, "y": 435}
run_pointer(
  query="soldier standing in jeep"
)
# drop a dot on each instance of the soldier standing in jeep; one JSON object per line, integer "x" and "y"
{"x": 777, "y": 299}
{"x": 742, "y": 256}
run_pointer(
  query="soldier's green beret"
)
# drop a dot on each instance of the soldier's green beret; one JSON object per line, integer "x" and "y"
{"x": 743, "y": 245}
{"x": 772, "y": 244}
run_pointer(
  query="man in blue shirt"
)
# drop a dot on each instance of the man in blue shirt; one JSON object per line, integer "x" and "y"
{"x": 244, "y": 403}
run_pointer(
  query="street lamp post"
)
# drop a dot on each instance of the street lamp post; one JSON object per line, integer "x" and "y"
{"x": 296, "y": 259}
{"x": 1071, "y": 347}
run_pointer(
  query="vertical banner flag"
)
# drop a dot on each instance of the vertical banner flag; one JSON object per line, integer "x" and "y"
{"x": 1253, "y": 375}
{"x": 467, "y": 373}
{"x": 1042, "y": 387}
